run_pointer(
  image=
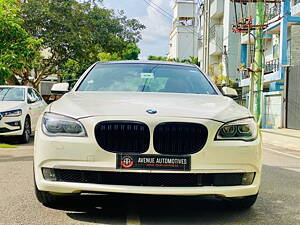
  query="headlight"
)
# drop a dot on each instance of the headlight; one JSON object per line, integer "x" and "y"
{"x": 58, "y": 125}
{"x": 12, "y": 113}
{"x": 245, "y": 130}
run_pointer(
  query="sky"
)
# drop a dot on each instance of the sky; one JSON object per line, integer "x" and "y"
{"x": 156, "y": 35}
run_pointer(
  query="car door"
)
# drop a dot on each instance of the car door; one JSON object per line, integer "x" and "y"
{"x": 33, "y": 106}
{"x": 41, "y": 103}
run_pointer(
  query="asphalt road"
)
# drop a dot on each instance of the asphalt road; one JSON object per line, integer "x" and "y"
{"x": 278, "y": 204}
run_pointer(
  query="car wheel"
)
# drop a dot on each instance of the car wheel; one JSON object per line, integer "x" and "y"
{"x": 47, "y": 199}
{"x": 53, "y": 200}
{"x": 242, "y": 202}
{"x": 25, "y": 137}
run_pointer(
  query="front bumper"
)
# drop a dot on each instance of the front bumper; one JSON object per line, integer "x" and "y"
{"x": 11, "y": 126}
{"x": 228, "y": 191}
{"x": 85, "y": 154}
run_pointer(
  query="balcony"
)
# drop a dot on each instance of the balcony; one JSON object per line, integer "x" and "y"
{"x": 184, "y": 21}
{"x": 216, "y": 9}
{"x": 272, "y": 66}
{"x": 244, "y": 74}
{"x": 295, "y": 10}
{"x": 273, "y": 11}
{"x": 246, "y": 40}
{"x": 216, "y": 40}
{"x": 184, "y": 8}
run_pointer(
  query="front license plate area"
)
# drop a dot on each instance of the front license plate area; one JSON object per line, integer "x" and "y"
{"x": 153, "y": 162}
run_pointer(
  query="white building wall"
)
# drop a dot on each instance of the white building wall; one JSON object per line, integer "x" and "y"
{"x": 184, "y": 8}
{"x": 221, "y": 34}
{"x": 183, "y": 44}
{"x": 188, "y": 45}
{"x": 173, "y": 46}
{"x": 268, "y": 49}
{"x": 184, "y": 36}
{"x": 231, "y": 40}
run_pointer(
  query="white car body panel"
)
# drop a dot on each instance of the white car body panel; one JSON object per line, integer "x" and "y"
{"x": 84, "y": 153}
{"x": 82, "y": 104}
{"x": 33, "y": 110}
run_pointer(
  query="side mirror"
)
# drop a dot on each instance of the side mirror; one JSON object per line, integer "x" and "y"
{"x": 229, "y": 92}
{"x": 31, "y": 100}
{"x": 60, "y": 88}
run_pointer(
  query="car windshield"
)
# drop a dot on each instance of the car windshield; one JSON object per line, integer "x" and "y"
{"x": 146, "y": 78}
{"x": 12, "y": 94}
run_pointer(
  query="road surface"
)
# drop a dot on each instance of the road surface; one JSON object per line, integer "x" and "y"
{"x": 279, "y": 201}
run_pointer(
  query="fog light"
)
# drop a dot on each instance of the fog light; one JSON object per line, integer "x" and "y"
{"x": 14, "y": 123}
{"x": 49, "y": 174}
{"x": 248, "y": 178}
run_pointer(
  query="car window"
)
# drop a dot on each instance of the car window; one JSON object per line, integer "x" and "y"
{"x": 146, "y": 78}
{"x": 12, "y": 94}
{"x": 37, "y": 95}
{"x": 31, "y": 97}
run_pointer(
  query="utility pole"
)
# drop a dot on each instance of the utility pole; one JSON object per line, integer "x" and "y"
{"x": 225, "y": 54}
{"x": 194, "y": 23}
{"x": 206, "y": 35}
{"x": 259, "y": 57}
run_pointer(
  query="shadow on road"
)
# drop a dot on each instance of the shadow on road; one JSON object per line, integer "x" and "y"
{"x": 112, "y": 209}
{"x": 102, "y": 209}
{"x": 14, "y": 141}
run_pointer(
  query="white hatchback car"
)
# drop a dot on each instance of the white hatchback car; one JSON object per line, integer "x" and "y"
{"x": 148, "y": 127}
{"x": 20, "y": 108}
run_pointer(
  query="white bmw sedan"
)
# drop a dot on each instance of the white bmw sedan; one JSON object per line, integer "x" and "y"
{"x": 152, "y": 128}
{"x": 20, "y": 108}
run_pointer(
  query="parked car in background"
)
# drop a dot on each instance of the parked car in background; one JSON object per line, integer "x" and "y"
{"x": 20, "y": 108}
{"x": 156, "y": 128}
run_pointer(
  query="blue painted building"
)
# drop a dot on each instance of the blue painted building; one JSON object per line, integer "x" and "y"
{"x": 280, "y": 53}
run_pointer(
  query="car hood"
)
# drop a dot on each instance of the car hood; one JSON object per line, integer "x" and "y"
{"x": 86, "y": 104}
{"x": 11, "y": 105}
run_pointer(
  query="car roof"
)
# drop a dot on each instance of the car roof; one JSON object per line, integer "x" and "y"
{"x": 146, "y": 62}
{"x": 18, "y": 86}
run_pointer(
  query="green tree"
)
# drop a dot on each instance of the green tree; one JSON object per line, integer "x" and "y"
{"x": 76, "y": 32}
{"x": 19, "y": 52}
{"x": 158, "y": 58}
{"x": 191, "y": 60}
{"x": 131, "y": 52}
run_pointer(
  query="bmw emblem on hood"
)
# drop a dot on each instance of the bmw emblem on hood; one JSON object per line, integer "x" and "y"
{"x": 151, "y": 111}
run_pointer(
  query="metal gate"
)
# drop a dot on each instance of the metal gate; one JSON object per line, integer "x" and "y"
{"x": 272, "y": 114}
{"x": 293, "y": 98}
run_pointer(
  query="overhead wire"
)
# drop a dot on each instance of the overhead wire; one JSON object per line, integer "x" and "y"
{"x": 166, "y": 14}
{"x": 149, "y": 2}
{"x": 169, "y": 16}
{"x": 163, "y": 12}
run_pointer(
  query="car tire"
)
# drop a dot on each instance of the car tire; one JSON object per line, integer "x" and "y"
{"x": 54, "y": 201}
{"x": 25, "y": 137}
{"x": 242, "y": 202}
{"x": 47, "y": 199}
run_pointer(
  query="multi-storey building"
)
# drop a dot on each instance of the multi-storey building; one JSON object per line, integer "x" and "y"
{"x": 211, "y": 40}
{"x": 184, "y": 36}
{"x": 218, "y": 49}
{"x": 282, "y": 45}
